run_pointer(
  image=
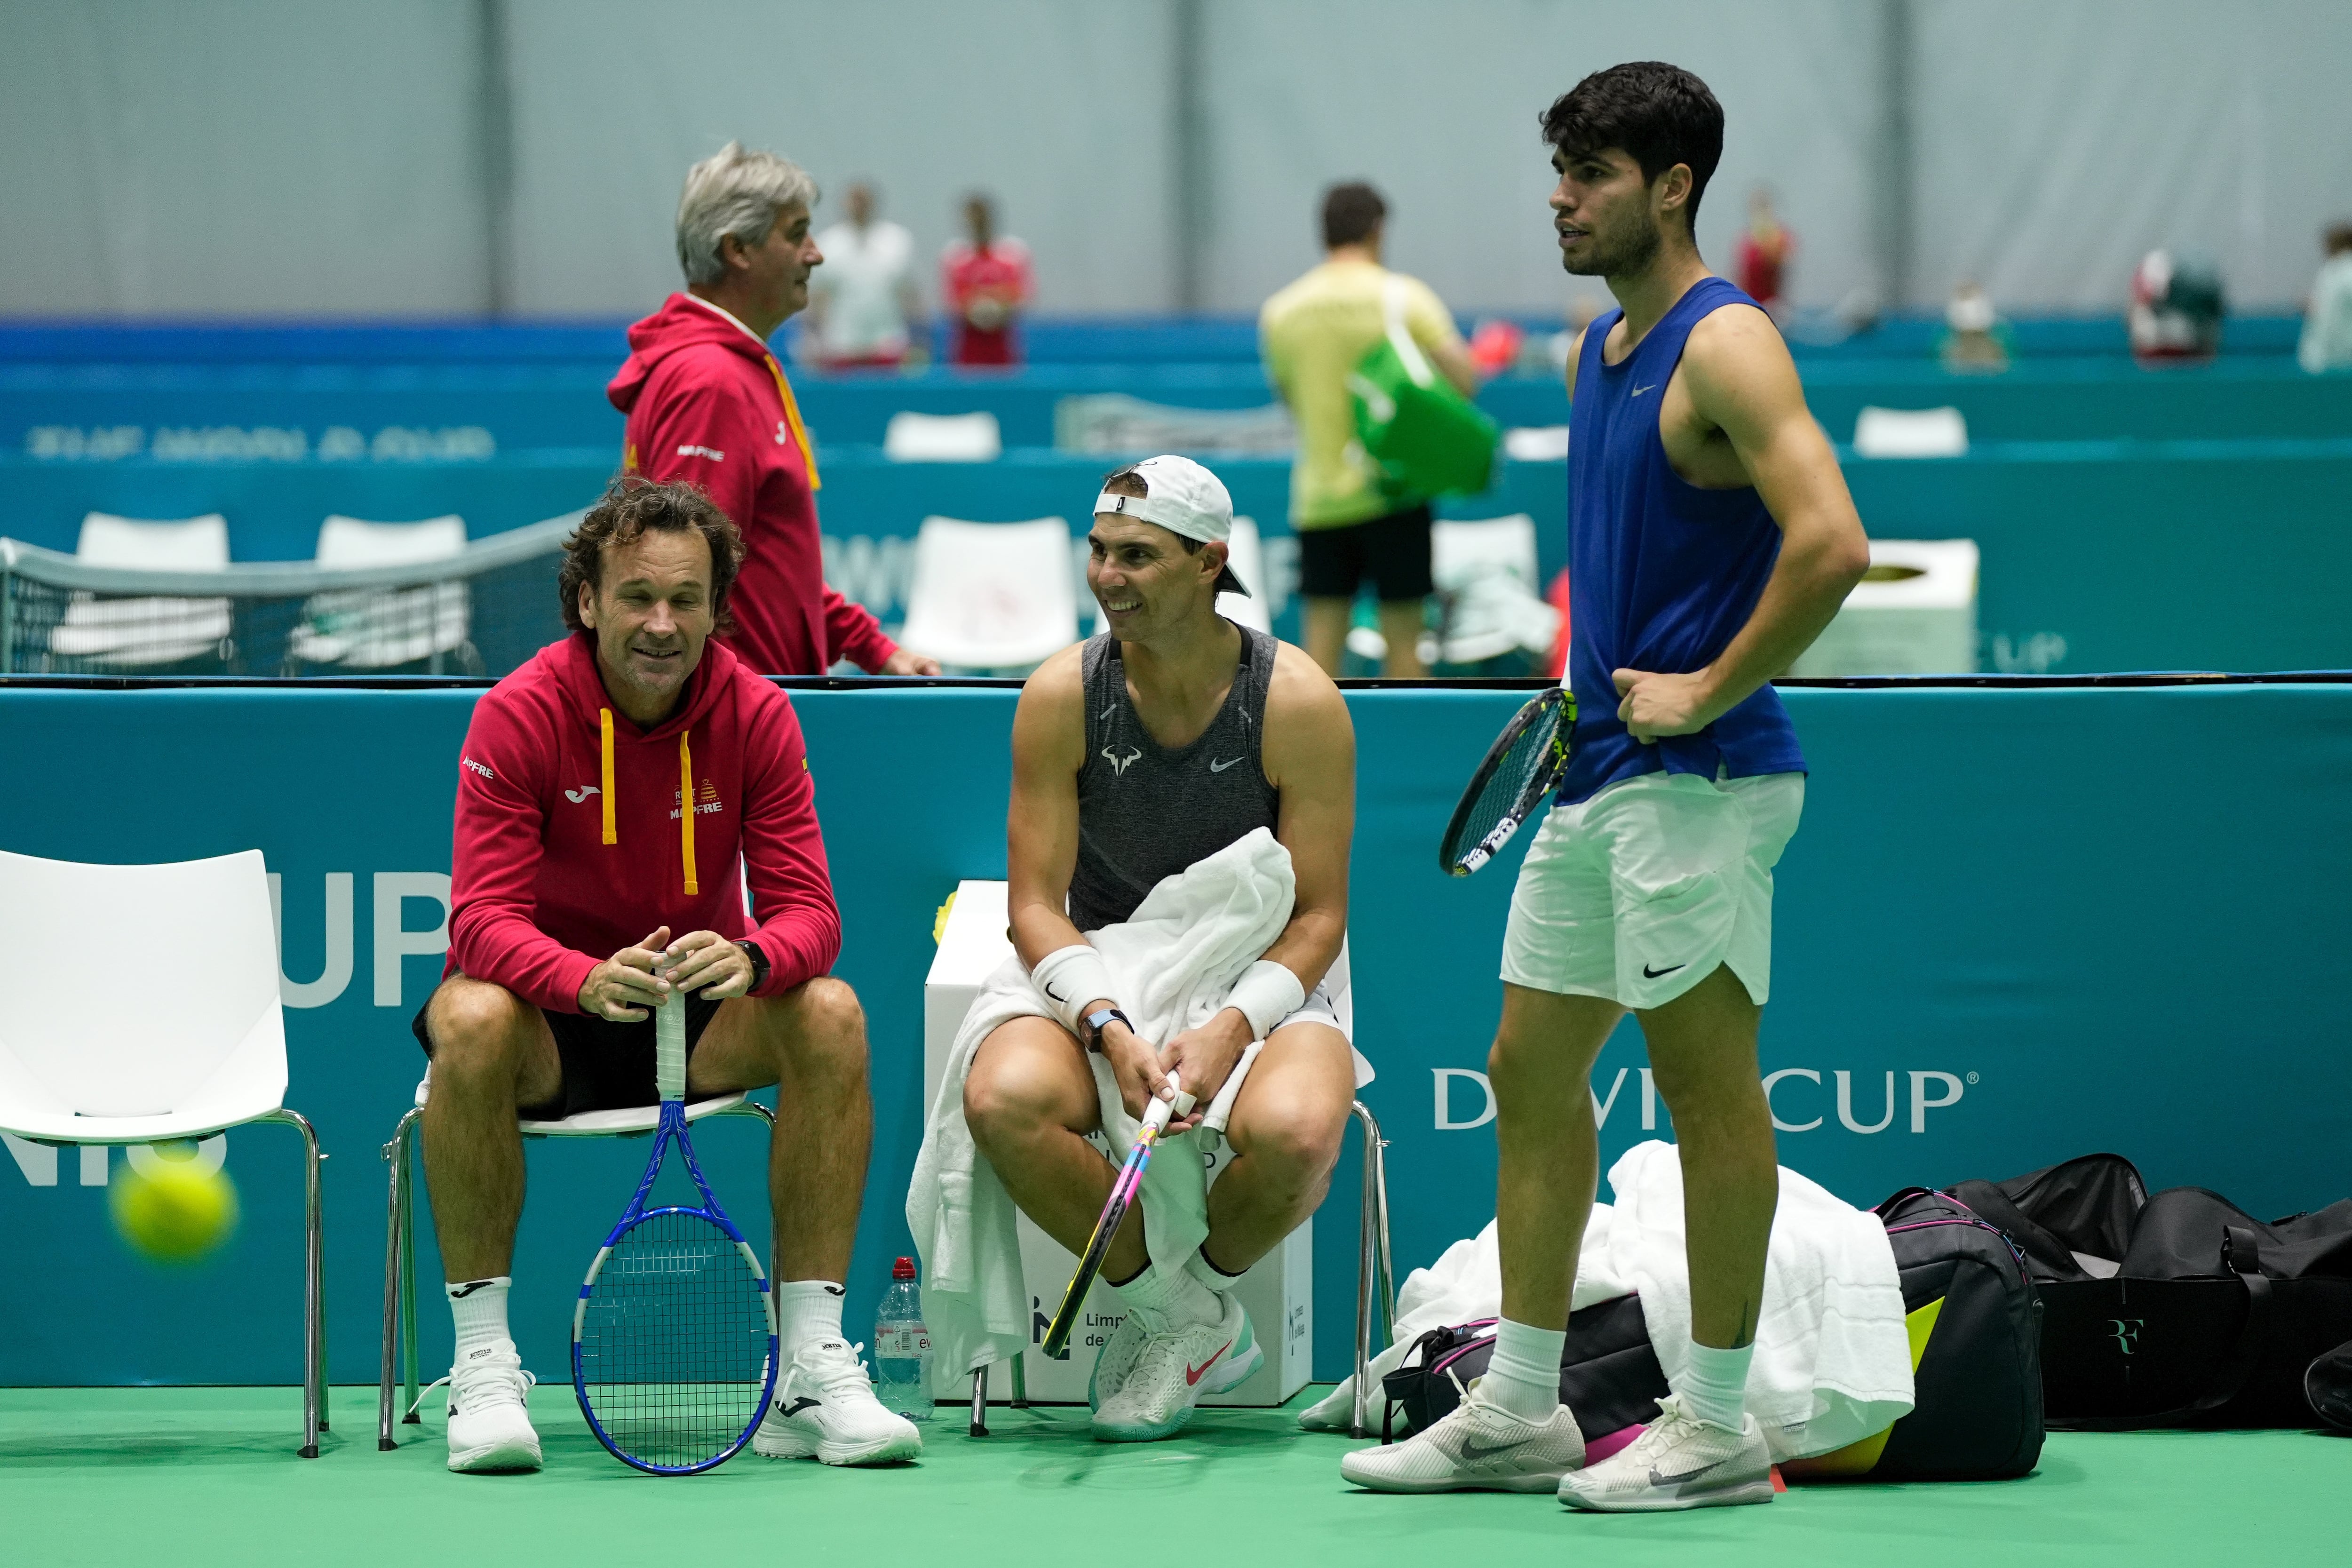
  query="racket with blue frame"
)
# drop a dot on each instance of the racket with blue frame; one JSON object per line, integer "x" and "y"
{"x": 674, "y": 1338}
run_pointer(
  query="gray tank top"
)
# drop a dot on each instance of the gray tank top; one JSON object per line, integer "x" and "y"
{"x": 1146, "y": 812}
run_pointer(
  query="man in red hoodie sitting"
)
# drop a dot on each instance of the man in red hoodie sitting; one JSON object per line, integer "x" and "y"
{"x": 578, "y": 874}
{"x": 709, "y": 404}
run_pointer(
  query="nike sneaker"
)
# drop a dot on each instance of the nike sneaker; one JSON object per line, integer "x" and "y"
{"x": 1680, "y": 1462}
{"x": 1474, "y": 1447}
{"x": 824, "y": 1409}
{"x": 489, "y": 1415}
{"x": 1174, "y": 1371}
{"x": 1116, "y": 1359}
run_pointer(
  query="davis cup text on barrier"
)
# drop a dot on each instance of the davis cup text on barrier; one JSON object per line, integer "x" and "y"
{"x": 394, "y": 939}
{"x": 1947, "y": 1087}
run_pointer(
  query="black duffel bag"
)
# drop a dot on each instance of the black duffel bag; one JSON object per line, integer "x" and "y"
{"x": 1609, "y": 1375}
{"x": 2177, "y": 1309}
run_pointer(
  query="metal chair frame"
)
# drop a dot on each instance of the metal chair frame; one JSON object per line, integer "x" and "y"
{"x": 400, "y": 1251}
{"x": 1375, "y": 1289}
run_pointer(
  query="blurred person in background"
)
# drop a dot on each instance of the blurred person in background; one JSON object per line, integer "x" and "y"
{"x": 2327, "y": 323}
{"x": 985, "y": 285}
{"x": 1760, "y": 265}
{"x": 708, "y": 403}
{"x": 862, "y": 307}
{"x": 1314, "y": 334}
{"x": 2176, "y": 309}
{"x": 1975, "y": 337}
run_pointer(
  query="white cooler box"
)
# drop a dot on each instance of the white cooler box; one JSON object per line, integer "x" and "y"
{"x": 1277, "y": 1293}
{"x": 1914, "y": 614}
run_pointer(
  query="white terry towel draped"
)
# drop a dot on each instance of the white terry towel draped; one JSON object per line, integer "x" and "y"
{"x": 1174, "y": 962}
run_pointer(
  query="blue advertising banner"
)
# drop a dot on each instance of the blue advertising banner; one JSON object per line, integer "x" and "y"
{"x": 2016, "y": 925}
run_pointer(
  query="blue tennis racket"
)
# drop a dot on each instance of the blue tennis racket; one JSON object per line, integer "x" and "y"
{"x": 674, "y": 1338}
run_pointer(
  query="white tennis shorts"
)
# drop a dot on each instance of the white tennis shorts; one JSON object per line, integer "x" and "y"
{"x": 1639, "y": 892}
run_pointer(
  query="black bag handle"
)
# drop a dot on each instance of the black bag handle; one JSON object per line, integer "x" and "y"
{"x": 2241, "y": 1252}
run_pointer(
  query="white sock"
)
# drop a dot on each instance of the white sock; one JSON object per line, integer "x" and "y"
{"x": 479, "y": 1307}
{"x": 1171, "y": 1296}
{"x": 1524, "y": 1376}
{"x": 808, "y": 1311}
{"x": 1199, "y": 1266}
{"x": 1715, "y": 1388}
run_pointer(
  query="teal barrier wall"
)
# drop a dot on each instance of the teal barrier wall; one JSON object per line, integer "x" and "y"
{"x": 2016, "y": 925}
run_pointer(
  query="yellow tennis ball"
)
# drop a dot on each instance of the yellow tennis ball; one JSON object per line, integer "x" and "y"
{"x": 174, "y": 1211}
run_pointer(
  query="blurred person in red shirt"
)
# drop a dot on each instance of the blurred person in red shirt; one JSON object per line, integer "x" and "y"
{"x": 984, "y": 283}
{"x": 1761, "y": 261}
{"x": 708, "y": 403}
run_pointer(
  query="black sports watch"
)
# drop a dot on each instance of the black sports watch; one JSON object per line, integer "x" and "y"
{"x": 1096, "y": 1021}
{"x": 759, "y": 964}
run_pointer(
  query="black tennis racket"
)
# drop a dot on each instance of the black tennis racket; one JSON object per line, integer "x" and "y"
{"x": 674, "y": 1339}
{"x": 1524, "y": 764}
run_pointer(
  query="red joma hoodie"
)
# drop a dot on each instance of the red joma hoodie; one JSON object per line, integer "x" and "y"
{"x": 708, "y": 403}
{"x": 570, "y": 844}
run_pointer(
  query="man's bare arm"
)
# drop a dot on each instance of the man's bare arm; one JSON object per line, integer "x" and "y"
{"x": 1041, "y": 833}
{"x": 1310, "y": 757}
{"x": 1741, "y": 380}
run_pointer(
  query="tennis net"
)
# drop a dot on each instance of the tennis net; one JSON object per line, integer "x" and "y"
{"x": 482, "y": 611}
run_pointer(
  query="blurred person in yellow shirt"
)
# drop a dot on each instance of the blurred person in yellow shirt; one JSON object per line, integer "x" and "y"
{"x": 1352, "y": 523}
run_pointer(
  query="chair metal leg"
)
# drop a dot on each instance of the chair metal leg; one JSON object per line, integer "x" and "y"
{"x": 398, "y": 1294}
{"x": 1021, "y": 1383}
{"x": 1375, "y": 1282}
{"x": 314, "y": 1282}
{"x": 980, "y": 1402}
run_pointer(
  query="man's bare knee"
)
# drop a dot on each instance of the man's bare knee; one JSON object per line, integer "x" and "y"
{"x": 818, "y": 1026}
{"x": 1297, "y": 1146}
{"x": 481, "y": 1032}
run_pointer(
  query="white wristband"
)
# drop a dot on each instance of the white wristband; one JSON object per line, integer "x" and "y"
{"x": 1266, "y": 994}
{"x": 1069, "y": 978}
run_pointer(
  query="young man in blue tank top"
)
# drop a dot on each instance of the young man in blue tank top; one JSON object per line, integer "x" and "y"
{"x": 1711, "y": 538}
{"x": 1165, "y": 738}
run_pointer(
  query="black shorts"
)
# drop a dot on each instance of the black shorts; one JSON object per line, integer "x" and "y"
{"x": 607, "y": 1066}
{"x": 1392, "y": 551}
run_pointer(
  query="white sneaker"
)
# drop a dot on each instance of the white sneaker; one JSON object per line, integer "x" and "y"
{"x": 490, "y": 1417}
{"x": 1116, "y": 1360}
{"x": 1474, "y": 1447}
{"x": 1173, "y": 1370}
{"x": 824, "y": 1408}
{"x": 1680, "y": 1462}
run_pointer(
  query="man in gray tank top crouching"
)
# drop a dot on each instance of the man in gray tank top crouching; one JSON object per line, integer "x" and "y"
{"x": 1155, "y": 744}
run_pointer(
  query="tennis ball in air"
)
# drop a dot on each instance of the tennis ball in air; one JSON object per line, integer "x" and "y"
{"x": 174, "y": 1211}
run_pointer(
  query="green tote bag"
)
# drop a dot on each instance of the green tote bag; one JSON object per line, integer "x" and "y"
{"x": 1426, "y": 437}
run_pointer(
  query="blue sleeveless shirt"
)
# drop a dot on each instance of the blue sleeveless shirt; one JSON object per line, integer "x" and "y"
{"x": 1662, "y": 573}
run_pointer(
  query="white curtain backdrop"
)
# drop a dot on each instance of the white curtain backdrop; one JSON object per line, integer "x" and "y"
{"x": 276, "y": 158}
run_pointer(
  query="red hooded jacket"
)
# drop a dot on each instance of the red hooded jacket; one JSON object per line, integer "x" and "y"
{"x": 569, "y": 845}
{"x": 709, "y": 404}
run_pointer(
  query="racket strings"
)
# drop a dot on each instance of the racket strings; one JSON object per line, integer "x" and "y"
{"x": 674, "y": 1342}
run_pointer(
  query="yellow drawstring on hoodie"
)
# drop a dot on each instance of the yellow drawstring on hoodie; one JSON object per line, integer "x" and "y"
{"x": 792, "y": 418}
{"x": 685, "y": 812}
{"x": 684, "y": 796}
{"x": 604, "y": 722}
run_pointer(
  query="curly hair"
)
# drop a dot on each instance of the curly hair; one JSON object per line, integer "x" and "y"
{"x": 1660, "y": 114}
{"x": 631, "y": 506}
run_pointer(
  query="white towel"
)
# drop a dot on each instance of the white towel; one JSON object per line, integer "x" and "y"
{"x": 1833, "y": 1361}
{"x": 1174, "y": 960}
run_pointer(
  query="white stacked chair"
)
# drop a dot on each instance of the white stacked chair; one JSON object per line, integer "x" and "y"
{"x": 912, "y": 437}
{"x": 144, "y": 632}
{"x": 196, "y": 1048}
{"x": 991, "y": 595}
{"x": 375, "y": 628}
{"x": 1486, "y": 572}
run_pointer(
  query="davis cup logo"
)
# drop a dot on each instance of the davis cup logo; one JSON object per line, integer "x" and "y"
{"x": 1884, "y": 1096}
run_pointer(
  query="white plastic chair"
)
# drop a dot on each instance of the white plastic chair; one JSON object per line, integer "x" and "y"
{"x": 140, "y": 633}
{"x": 400, "y": 1230}
{"x": 197, "y": 1046}
{"x": 1910, "y": 433}
{"x": 1248, "y": 562}
{"x": 912, "y": 437}
{"x": 991, "y": 595}
{"x": 376, "y": 629}
{"x": 1486, "y": 572}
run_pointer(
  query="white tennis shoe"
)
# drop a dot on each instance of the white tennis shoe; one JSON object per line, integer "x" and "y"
{"x": 1173, "y": 1370}
{"x": 489, "y": 1415}
{"x": 1679, "y": 1462}
{"x": 1117, "y": 1359}
{"x": 824, "y": 1409}
{"x": 1474, "y": 1447}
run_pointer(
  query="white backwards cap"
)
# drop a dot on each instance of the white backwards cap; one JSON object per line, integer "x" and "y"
{"x": 1185, "y": 499}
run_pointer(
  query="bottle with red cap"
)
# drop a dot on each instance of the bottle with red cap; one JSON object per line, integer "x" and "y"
{"x": 902, "y": 1347}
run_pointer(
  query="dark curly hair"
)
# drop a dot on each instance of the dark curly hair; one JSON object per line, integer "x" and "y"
{"x": 628, "y": 507}
{"x": 1660, "y": 114}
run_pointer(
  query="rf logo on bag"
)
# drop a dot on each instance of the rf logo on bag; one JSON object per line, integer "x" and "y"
{"x": 2126, "y": 1332}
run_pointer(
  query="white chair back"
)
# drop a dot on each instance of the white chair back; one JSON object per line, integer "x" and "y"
{"x": 912, "y": 437}
{"x": 1462, "y": 551}
{"x": 190, "y": 544}
{"x": 991, "y": 595}
{"x": 196, "y": 1042}
{"x": 349, "y": 542}
{"x": 1248, "y": 562}
{"x": 1910, "y": 433}
{"x": 1487, "y": 571}
{"x": 358, "y": 628}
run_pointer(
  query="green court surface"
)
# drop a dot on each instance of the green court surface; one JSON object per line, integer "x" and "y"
{"x": 195, "y": 1477}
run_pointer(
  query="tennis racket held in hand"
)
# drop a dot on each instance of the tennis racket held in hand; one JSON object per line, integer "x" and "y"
{"x": 1156, "y": 1117}
{"x": 1525, "y": 763}
{"x": 674, "y": 1337}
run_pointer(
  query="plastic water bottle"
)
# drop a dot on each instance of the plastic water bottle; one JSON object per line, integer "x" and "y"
{"x": 902, "y": 1348}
